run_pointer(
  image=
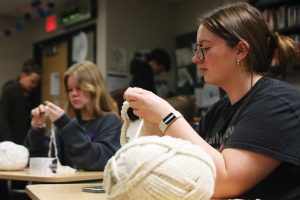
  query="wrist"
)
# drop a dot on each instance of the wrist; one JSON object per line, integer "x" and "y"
{"x": 168, "y": 120}
{"x": 37, "y": 125}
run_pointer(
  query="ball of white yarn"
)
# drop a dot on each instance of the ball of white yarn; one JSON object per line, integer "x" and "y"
{"x": 13, "y": 156}
{"x": 161, "y": 168}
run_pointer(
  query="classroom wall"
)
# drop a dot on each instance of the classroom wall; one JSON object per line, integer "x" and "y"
{"x": 141, "y": 25}
{"x": 188, "y": 11}
{"x": 14, "y": 50}
{"x": 128, "y": 25}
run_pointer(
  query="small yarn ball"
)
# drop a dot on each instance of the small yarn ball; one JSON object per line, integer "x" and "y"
{"x": 160, "y": 168}
{"x": 13, "y": 156}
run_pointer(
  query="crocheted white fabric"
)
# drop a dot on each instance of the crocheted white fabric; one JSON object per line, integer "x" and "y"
{"x": 13, "y": 156}
{"x": 160, "y": 168}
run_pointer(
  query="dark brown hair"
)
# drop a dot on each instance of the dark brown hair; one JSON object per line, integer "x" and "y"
{"x": 241, "y": 21}
{"x": 30, "y": 66}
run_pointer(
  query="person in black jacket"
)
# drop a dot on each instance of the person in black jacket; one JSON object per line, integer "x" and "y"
{"x": 16, "y": 102}
{"x": 18, "y": 97}
{"x": 88, "y": 133}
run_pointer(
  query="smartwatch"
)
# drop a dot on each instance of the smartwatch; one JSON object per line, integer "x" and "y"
{"x": 169, "y": 119}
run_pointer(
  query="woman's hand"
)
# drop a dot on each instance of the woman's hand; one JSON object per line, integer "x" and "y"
{"x": 147, "y": 105}
{"x": 54, "y": 112}
{"x": 38, "y": 116}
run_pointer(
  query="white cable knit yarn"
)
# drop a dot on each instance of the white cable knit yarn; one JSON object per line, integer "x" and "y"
{"x": 13, "y": 156}
{"x": 160, "y": 168}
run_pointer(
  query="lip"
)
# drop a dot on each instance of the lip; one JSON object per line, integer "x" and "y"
{"x": 203, "y": 70}
{"x": 75, "y": 101}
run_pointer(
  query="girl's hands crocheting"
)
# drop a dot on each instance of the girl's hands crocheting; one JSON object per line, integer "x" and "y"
{"x": 38, "y": 116}
{"x": 54, "y": 112}
{"x": 147, "y": 105}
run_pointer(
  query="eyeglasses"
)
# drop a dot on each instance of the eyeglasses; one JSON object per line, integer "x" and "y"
{"x": 199, "y": 51}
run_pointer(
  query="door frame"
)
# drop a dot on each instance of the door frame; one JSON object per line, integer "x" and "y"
{"x": 38, "y": 46}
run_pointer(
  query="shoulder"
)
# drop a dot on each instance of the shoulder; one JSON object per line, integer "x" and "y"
{"x": 276, "y": 88}
{"x": 108, "y": 123}
{"x": 278, "y": 93}
{"x": 11, "y": 84}
{"x": 11, "y": 89}
{"x": 109, "y": 118}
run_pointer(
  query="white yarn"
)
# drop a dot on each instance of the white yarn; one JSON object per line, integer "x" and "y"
{"x": 160, "y": 168}
{"x": 125, "y": 136}
{"x": 13, "y": 156}
{"x": 60, "y": 168}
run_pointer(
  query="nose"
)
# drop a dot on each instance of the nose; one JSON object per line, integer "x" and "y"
{"x": 195, "y": 59}
{"x": 74, "y": 92}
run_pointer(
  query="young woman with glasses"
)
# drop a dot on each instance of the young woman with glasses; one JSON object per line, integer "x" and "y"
{"x": 253, "y": 133}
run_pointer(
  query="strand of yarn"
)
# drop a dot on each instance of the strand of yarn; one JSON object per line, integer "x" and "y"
{"x": 60, "y": 168}
{"x": 53, "y": 143}
{"x": 126, "y": 123}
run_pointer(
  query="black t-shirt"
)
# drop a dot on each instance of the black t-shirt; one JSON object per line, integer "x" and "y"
{"x": 267, "y": 121}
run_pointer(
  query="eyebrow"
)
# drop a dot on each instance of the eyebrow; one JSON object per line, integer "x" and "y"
{"x": 203, "y": 41}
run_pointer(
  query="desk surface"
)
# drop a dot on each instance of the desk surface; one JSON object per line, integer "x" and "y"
{"x": 62, "y": 192}
{"x": 24, "y": 175}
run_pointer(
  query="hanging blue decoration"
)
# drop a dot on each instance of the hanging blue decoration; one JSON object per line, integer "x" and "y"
{"x": 42, "y": 9}
{"x": 47, "y": 12}
{"x": 19, "y": 26}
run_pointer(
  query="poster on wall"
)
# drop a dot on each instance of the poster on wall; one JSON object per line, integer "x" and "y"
{"x": 186, "y": 71}
{"x": 55, "y": 84}
{"x": 118, "y": 60}
{"x": 79, "y": 47}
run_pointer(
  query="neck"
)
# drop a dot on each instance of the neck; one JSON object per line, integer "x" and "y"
{"x": 85, "y": 115}
{"x": 240, "y": 86}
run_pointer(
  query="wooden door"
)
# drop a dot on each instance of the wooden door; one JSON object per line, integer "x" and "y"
{"x": 54, "y": 65}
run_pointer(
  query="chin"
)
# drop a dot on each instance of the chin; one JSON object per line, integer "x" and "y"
{"x": 207, "y": 80}
{"x": 210, "y": 80}
{"x": 77, "y": 107}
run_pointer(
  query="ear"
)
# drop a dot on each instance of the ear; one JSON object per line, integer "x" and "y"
{"x": 242, "y": 49}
